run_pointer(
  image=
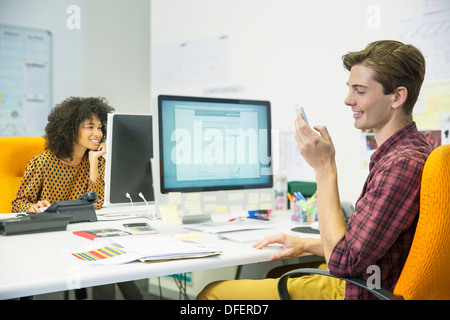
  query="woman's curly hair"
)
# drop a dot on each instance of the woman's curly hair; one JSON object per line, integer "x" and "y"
{"x": 61, "y": 131}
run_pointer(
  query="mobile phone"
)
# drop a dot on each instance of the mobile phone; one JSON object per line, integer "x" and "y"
{"x": 140, "y": 228}
{"x": 299, "y": 109}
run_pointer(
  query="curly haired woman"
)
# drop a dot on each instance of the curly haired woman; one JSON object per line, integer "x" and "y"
{"x": 72, "y": 164}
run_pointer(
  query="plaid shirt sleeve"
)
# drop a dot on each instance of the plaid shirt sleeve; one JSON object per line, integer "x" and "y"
{"x": 388, "y": 206}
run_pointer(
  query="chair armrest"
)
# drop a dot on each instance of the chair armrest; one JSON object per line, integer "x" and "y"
{"x": 381, "y": 294}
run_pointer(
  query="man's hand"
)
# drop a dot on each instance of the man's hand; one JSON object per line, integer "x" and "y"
{"x": 292, "y": 246}
{"x": 318, "y": 150}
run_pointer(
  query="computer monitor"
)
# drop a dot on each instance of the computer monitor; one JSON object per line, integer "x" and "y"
{"x": 129, "y": 150}
{"x": 209, "y": 144}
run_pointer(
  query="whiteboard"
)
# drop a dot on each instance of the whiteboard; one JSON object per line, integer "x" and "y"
{"x": 25, "y": 80}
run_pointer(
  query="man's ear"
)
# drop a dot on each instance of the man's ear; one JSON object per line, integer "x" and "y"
{"x": 400, "y": 95}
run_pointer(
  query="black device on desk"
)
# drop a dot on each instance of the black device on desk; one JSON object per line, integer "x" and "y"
{"x": 54, "y": 218}
{"x": 33, "y": 223}
{"x": 82, "y": 209}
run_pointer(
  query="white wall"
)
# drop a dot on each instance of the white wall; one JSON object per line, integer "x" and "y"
{"x": 108, "y": 56}
{"x": 288, "y": 51}
{"x": 285, "y": 51}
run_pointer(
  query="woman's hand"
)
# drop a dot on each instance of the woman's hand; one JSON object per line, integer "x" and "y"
{"x": 95, "y": 154}
{"x": 39, "y": 206}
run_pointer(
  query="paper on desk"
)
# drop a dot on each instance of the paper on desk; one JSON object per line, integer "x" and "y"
{"x": 119, "y": 250}
{"x": 101, "y": 253}
{"x": 189, "y": 256}
{"x": 219, "y": 227}
{"x": 156, "y": 246}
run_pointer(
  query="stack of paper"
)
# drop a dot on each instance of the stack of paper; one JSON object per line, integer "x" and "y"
{"x": 155, "y": 248}
{"x": 219, "y": 227}
{"x": 149, "y": 248}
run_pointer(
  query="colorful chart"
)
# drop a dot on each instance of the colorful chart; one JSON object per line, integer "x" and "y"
{"x": 100, "y": 253}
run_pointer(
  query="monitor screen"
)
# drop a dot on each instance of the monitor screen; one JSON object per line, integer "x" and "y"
{"x": 129, "y": 150}
{"x": 208, "y": 144}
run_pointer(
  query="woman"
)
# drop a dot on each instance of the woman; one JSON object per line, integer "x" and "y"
{"x": 72, "y": 164}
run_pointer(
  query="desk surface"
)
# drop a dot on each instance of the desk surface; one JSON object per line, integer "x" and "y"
{"x": 31, "y": 264}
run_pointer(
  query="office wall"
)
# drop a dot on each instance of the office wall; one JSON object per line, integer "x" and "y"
{"x": 287, "y": 51}
{"x": 108, "y": 56}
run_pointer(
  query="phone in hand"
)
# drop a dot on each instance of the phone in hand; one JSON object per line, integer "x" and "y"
{"x": 300, "y": 110}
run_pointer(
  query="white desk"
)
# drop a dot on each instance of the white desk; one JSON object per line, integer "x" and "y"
{"x": 32, "y": 265}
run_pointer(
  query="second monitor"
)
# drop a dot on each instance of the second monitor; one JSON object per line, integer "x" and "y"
{"x": 128, "y": 167}
{"x": 208, "y": 144}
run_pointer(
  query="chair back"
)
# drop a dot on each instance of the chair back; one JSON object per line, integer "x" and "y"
{"x": 426, "y": 274}
{"x": 15, "y": 153}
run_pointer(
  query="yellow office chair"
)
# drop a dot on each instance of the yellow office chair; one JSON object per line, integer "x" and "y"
{"x": 425, "y": 275}
{"x": 15, "y": 153}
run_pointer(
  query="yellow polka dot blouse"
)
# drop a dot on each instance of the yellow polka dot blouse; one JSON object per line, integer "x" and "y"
{"x": 47, "y": 178}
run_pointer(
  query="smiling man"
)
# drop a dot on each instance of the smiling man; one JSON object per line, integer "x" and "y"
{"x": 384, "y": 83}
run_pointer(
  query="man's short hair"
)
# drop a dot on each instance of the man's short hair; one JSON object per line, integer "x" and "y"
{"x": 395, "y": 65}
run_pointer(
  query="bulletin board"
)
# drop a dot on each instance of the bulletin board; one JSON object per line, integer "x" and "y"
{"x": 430, "y": 33}
{"x": 25, "y": 80}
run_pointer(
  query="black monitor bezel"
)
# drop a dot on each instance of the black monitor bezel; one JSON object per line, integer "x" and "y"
{"x": 130, "y": 139}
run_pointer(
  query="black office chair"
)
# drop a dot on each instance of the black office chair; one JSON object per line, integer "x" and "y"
{"x": 381, "y": 294}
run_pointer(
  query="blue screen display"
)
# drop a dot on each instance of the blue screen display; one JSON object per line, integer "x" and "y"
{"x": 214, "y": 144}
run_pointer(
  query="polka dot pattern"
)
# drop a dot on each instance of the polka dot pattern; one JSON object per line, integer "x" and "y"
{"x": 47, "y": 178}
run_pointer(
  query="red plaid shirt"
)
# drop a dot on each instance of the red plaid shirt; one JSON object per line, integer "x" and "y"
{"x": 381, "y": 229}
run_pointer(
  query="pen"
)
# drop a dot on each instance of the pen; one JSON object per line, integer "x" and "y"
{"x": 290, "y": 197}
{"x": 233, "y": 219}
{"x": 299, "y": 196}
{"x": 259, "y": 218}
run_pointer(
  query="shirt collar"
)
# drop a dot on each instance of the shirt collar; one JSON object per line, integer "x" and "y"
{"x": 396, "y": 138}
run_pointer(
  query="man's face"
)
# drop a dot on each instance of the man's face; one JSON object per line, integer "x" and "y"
{"x": 371, "y": 107}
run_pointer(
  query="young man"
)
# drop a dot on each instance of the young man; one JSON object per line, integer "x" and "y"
{"x": 384, "y": 83}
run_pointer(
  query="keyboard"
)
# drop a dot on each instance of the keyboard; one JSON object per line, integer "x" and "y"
{"x": 246, "y": 236}
{"x": 112, "y": 212}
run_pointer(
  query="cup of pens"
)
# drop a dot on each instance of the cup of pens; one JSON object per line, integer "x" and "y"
{"x": 303, "y": 209}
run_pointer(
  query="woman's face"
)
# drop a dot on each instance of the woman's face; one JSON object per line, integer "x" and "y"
{"x": 90, "y": 133}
